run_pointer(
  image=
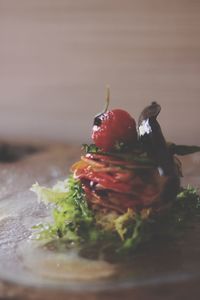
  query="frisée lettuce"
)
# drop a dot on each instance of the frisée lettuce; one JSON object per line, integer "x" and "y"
{"x": 76, "y": 224}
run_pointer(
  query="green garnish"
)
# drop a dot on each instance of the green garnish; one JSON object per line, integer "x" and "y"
{"x": 75, "y": 223}
{"x": 71, "y": 213}
{"x": 92, "y": 148}
{"x": 136, "y": 155}
{"x": 183, "y": 149}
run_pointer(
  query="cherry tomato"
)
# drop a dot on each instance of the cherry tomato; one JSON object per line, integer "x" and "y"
{"x": 114, "y": 129}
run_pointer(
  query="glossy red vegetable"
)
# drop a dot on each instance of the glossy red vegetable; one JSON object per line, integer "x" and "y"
{"x": 113, "y": 129}
{"x": 117, "y": 186}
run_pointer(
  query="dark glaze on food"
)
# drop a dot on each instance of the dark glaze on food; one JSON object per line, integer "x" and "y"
{"x": 153, "y": 142}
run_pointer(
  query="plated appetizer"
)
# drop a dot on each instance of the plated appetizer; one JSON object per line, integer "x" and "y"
{"x": 124, "y": 189}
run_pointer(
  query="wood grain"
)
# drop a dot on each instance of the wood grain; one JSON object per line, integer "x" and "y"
{"x": 47, "y": 165}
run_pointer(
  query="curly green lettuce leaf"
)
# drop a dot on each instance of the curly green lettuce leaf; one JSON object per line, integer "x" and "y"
{"x": 70, "y": 213}
{"x": 53, "y": 195}
{"x": 75, "y": 222}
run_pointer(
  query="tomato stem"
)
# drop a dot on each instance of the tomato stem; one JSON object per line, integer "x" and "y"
{"x": 97, "y": 120}
{"x": 107, "y": 99}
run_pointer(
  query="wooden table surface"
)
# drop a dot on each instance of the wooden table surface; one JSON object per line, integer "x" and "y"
{"x": 179, "y": 291}
{"x": 47, "y": 164}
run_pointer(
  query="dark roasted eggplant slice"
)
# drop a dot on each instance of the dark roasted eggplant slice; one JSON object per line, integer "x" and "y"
{"x": 153, "y": 141}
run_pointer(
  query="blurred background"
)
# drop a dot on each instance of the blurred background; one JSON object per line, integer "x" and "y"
{"x": 56, "y": 57}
